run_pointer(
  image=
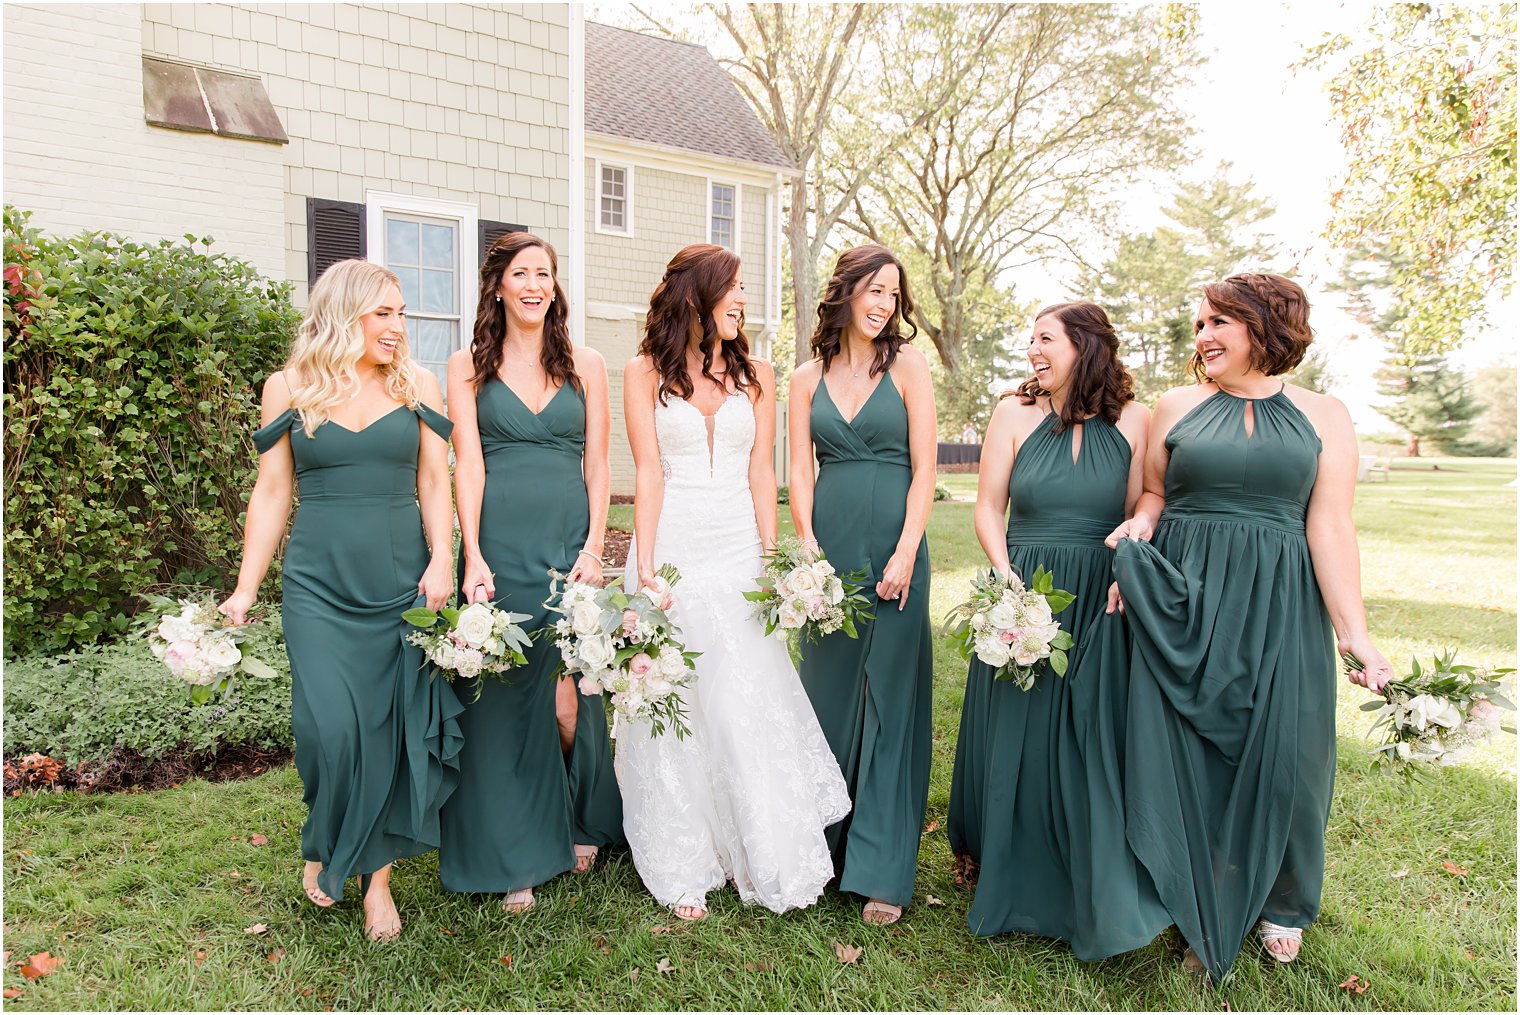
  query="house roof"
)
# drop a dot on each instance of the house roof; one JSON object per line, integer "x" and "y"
{"x": 670, "y": 93}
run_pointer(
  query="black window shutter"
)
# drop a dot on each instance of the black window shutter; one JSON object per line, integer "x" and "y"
{"x": 490, "y": 232}
{"x": 334, "y": 232}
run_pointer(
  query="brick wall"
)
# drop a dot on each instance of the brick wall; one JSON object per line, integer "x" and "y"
{"x": 79, "y": 154}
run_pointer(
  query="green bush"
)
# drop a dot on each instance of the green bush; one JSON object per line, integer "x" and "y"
{"x": 131, "y": 375}
{"x": 783, "y": 495}
{"x": 941, "y": 492}
{"x": 86, "y": 704}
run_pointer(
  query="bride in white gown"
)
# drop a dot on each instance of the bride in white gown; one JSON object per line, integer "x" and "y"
{"x": 745, "y": 797}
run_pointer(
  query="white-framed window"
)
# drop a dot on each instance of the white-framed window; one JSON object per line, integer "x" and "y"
{"x": 433, "y": 248}
{"x": 723, "y": 214}
{"x": 614, "y": 199}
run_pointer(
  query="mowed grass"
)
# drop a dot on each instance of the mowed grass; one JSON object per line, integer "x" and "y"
{"x": 146, "y": 897}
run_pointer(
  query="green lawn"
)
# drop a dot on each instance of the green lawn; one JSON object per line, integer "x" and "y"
{"x": 146, "y": 896}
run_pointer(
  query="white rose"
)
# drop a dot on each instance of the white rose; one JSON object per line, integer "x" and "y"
{"x": 659, "y": 687}
{"x": 442, "y": 653}
{"x": 221, "y": 654}
{"x": 672, "y": 663}
{"x": 173, "y": 629}
{"x": 1023, "y": 654}
{"x": 1402, "y": 750}
{"x": 992, "y": 651}
{"x": 792, "y": 615}
{"x": 475, "y": 624}
{"x": 586, "y": 618}
{"x": 468, "y": 662}
{"x": 1001, "y": 617}
{"x": 823, "y": 569}
{"x": 1038, "y": 612}
{"x": 834, "y": 591}
{"x": 803, "y": 581}
{"x": 979, "y": 622}
{"x": 632, "y": 703}
{"x": 179, "y": 656}
{"x": 597, "y": 652}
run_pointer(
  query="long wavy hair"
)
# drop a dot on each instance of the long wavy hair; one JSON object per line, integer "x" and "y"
{"x": 558, "y": 356}
{"x": 1100, "y": 384}
{"x": 852, "y": 273}
{"x": 324, "y": 359}
{"x": 1275, "y": 312}
{"x": 681, "y": 308}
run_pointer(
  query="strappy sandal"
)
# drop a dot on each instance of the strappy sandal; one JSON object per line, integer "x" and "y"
{"x": 309, "y": 885}
{"x": 1272, "y": 933}
{"x": 881, "y": 914}
{"x": 585, "y": 861}
{"x": 382, "y": 931}
{"x": 518, "y": 902}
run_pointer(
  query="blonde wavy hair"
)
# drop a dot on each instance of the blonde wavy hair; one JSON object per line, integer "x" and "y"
{"x": 323, "y": 366}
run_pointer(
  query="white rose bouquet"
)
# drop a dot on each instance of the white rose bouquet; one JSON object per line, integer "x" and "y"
{"x": 1011, "y": 626}
{"x": 625, "y": 644}
{"x": 1434, "y": 716}
{"x": 801, "y": 597}
{"x": 201, "y": 646}
{"x": 467, "y": 643}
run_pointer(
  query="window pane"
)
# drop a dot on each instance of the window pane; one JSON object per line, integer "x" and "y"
{"x": 723, "y": 201}
{"x": 437, "y": 292}
{"x": 408, "y": 277}
{"x": 723, "y": 232}
{"x": 400, "y": 243}
{"x": 431, "y": 341}
{"x": 437, "y": 246}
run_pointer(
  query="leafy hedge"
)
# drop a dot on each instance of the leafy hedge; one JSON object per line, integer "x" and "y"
{"x": 131, "y": 375}
{"x": 97, "y": 701}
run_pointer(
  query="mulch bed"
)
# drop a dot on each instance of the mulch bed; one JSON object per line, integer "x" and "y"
{"x": 128, "y": 771}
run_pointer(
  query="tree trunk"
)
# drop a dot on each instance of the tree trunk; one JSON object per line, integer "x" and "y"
{"x": 804, "y": 277}
{"x": 1414, "y": 446}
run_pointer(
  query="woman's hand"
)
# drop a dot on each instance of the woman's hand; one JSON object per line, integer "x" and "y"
{"x": 810, "y": 546}
{"x": 479, "y": 585}
{"x": 897, "y": 576}
{"x": 237, "y": 606}
{"x": 435, "y": 584}
{"x": 1376, "y": 670}
{"x": 1115, "y": 600}
{"x": 587, "y": 569}
{"x": 1138, "y": 528}
{"x": 647, "y": 577}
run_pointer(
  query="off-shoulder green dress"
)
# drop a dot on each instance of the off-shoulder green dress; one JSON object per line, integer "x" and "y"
{"x": 1231, "y": 754}
{"x": 1037, "y": 796}
{"x": 377, "y": 738}
{"x": 872, "y": 694}
{"x": 521, "y": 802}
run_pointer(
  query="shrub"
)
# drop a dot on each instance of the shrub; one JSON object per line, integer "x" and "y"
{"x": 783, "y": 495}
{"x": 941, "y": 492}
{"x": 90, "y": 703}
{"x": 130, "y": 395}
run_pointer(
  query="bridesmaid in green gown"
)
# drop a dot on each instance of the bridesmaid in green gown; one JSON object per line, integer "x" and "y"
{"x": 1036, "y": 801}
{"x": 355, "y": 423}
{"x": 1237, "y": 611}
{"x": 537, "y": 795}
{"x": 865, "y": 403}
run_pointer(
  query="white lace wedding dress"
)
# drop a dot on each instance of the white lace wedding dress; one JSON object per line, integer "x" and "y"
{"x": 746, "y": 796}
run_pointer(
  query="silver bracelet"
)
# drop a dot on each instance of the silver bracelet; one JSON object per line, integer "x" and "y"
{"x": 593, "y": 557}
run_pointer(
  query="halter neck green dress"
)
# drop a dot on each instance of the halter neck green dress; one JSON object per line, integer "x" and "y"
{"x": 1037, "y": 794}
{"x": 1231, "y": 754}
{"x": 377, "y": 738}
{"x": 521, "y": 803}
{"x": 872, "y": 694}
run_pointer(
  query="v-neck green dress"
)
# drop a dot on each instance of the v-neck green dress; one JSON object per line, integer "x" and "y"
{"x": 521, "y": 803}
{"x": 377, "y": 737}
{"x": 1231, "y": 753}
{"x": 1037, "y": 796}
{"x": 872, "y": 694}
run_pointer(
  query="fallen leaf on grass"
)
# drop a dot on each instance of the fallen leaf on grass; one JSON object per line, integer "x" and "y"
{"x": 42, "y": 964}
{"x": 200, "y": 957}
{"x": 6, "y": 960}
{"x": 11, "y": 992}
{"x": 234, "y": 874}
{"x": 1470, "y": 955}
{"x": 1226, "y": 1007}
{"x": 1452, "y": 868}
{"x": 663, "y": 966}
{"x": 633, "y": 975}
{"x": 257, "y": 928}
{"x": 847, "y": 953}
{"x": 933, "y": 824}
{"x": 758, "y": 967}
{"x": 276, "y": 955}
{"x": 306, "y": 992}
{"x": 1355, "y": 985}
{"x": 1401, "y": 873}
{"x": 933, "y": 901}
{"x": 601, "y": 944}
{"x": 257, "y": 840}
{"x": 659, "y": 928}
{"x": 445, "y": 930}
{"x": 506, "y": 959}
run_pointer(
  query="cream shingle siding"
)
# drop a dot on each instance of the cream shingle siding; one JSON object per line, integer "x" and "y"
{"x": 80, "y": 156}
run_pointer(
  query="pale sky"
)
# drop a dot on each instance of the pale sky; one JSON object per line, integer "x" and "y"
{"x": 1292, "y": 154}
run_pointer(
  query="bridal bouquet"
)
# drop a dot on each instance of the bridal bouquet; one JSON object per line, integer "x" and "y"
{"x": 1011, "y": 626}
{"x": 1435, "y": 716}
{"x": 800, "y": 596}
{"x": 200, "y": 645}
{"x": 466, "y": 643}
{"x": 625, "y": 644}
